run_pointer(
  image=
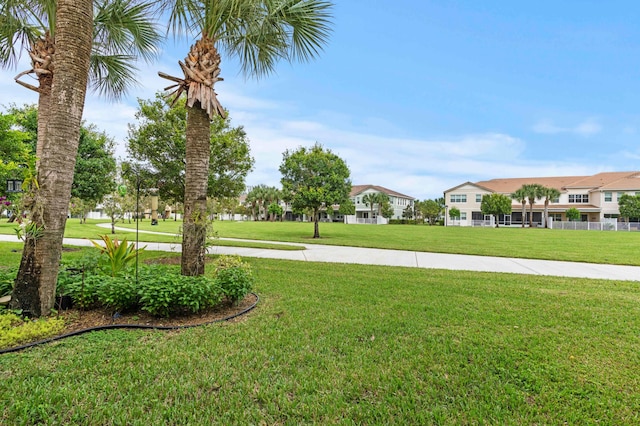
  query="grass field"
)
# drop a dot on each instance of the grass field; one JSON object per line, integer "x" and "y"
{"x": 351, "y": 344}
{"x": 621, "y": 248}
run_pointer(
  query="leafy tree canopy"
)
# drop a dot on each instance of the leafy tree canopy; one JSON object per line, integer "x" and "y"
{"x": 573, "y": 214}
{"x": 14, "y": 152}
{"x": 454, "y": 212}
{"x": 158, "y": 140}
{"x": 495, "y": 204}
{"x": 629, "y": 206}
{"x": 95, "y": 166}
{"x": 314, "y": 178}
{"x": 431, "y": 210}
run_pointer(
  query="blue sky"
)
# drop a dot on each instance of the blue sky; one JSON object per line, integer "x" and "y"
{"x": 420, "y": 96}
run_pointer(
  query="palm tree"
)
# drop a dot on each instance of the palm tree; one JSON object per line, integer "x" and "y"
{"x": 381, "y": 198}
{"x": 272, "y": 196}
{"x": 548, "y": 194}
{"x": 256, "y": 32}
{"x": 521, "y": 196}
{"x": 35, "y": 284}
{"x": 63, "y": 72}
{"x": 533, "y": 191}
{"x": 369, "y": 199}
{"x": 122, "y": 31}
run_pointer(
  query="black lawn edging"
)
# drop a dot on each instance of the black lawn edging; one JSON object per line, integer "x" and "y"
{"x": 129, "y": 326}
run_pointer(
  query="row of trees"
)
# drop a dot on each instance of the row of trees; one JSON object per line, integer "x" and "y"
{"x": 427, "y": 210}
{"x": 530, "y": 193}
{"x": 68, "y": 38}
{"x": 500, "y": 204}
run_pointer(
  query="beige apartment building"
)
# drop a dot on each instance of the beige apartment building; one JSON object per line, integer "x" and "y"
{"x": 596, "y": 197}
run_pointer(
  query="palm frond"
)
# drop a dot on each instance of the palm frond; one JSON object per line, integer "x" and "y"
{"x": 270, "y": 30}
{"x": 126, "y": 27}
{"x": 112, "y": 75}
{"x": 21, "y": 24}
{"x": 186, "y": 17}
{"x": 308, "y": 23}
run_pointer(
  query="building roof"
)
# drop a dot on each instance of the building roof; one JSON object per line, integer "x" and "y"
{"x": 613, "y": 181}
{"x": 507, "y": 186}
{"x": 358, "y": 189}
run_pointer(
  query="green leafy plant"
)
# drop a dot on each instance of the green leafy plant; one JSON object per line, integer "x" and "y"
{"x": 15, "y": 330}
{"x": 119, "y": 293}
{"x": 83, "y": 290}
{"x": 120, "y": 254}
{"x": 7, "y": 277}
{"x": 30, "y": 229}
{"x": 234, "y": 277}
{"x": 163, "y": 292}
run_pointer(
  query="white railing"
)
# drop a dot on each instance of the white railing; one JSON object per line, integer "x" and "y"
{"x": 597, "y": 226}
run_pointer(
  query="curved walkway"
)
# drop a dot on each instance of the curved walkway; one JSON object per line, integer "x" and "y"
{"x": 370, "y": 256}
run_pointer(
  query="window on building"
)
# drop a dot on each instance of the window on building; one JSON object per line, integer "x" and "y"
{"x": 478, "y": 198}
{"x": 579, "y": 198}
{"x": 620, "y": 194}
{"x": 557, "y": 217}
{"x": 458, "y": 198}
{"x": 463, "y": 215}
{"x": 607, "y": 197}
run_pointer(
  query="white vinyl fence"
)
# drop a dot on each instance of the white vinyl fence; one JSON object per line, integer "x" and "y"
{"x": 597, "y": 226}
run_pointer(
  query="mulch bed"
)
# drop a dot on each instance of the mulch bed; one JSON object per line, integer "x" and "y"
{"x": 77, "y": 319}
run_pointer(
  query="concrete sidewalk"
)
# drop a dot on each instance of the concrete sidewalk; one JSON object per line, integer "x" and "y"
{"x": 368, "y": 256}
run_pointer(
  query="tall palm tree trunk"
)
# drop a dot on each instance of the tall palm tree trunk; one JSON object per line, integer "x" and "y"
{"x": 530, "y": 215}
{"x": 194, "y": 236}
{"x": 35, "y": 284}
{"x": 524, "y": 213}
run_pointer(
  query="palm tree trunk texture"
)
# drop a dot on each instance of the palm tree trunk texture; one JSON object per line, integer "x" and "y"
{"x": 35, "y": 285}
{"x": 530, "y": 215}
{"x": 194, "y": 233}
{"x": 43, "y": 49}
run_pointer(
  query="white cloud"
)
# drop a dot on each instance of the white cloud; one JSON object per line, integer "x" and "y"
{"x": 586, "y": 128}
{"x": 422, "y": 167}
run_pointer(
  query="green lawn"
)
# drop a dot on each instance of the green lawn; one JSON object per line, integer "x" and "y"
{"x": 620, "y": 248}
{"x": 352, "y": 344}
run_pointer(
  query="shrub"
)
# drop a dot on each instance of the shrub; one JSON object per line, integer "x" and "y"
{"x": 197, "y": 293}
{"x": 160, "y": 290}
{"x": 84, "y": 292}
{"x": 15, "y": 330}
{"x": 163, "y": 292}
{"x": 119, "y": 293}
{"x": 234, "y": 277}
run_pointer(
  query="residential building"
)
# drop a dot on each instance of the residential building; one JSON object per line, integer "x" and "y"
{"x": 399, "y": 202}
{"x": 596, "y": 197}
